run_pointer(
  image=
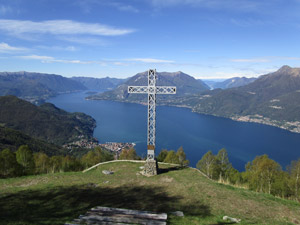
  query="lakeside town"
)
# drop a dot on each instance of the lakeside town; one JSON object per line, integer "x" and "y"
{"x": 114, "y": 147}
{"x": 117, "y": 147}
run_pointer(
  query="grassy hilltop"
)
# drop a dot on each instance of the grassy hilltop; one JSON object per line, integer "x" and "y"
{"x": 57, "y": 198}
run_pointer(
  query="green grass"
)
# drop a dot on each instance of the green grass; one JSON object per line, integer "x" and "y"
{"x": 61, "y": 197}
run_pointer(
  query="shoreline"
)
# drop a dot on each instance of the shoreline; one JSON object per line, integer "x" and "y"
{"x": 285, "y": 125}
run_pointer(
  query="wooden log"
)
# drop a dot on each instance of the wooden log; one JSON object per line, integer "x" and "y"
{"x": 142, "y": 214}
{"x": 96, "y": 218}
{"x": 108, "y": 214}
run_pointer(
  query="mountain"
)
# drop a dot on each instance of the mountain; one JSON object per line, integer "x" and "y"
{"x": 102, "y": 84}
{"x": 45, "y": 122}
{"x": 233, "y": 82}
{"x": 272, "y": 99}
{"x": 211, "y": 82}
{"x": 186, "y": 85}
{"x": 13, "y": 139}
{"x": 36, "y": 85}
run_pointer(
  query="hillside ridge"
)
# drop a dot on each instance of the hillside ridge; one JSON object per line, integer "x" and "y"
{"x": 46, "y": 122}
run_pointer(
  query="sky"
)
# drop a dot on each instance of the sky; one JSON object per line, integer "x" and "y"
{"x": 207, "y": 39}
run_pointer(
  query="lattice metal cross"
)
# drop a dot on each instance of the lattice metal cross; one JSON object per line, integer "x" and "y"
{"x": 152, "y": 90}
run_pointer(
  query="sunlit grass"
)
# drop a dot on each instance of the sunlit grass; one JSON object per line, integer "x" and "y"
{"x": 57, "y": 198}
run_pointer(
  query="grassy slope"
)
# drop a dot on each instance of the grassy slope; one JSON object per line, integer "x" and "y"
{"x": 56, "y": 198}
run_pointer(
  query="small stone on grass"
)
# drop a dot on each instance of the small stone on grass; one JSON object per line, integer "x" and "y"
{"x": 177, "y": 213}
{"x": 107, "y": 172}
{"x": 231, "y": 219}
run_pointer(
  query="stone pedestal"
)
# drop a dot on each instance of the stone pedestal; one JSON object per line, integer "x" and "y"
{"x": 150, "y": 168}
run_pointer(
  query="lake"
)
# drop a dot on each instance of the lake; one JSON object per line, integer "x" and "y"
{"x": 175, "y": 127}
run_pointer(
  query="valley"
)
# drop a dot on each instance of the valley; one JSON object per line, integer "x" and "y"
{"x": 272, "y": 99}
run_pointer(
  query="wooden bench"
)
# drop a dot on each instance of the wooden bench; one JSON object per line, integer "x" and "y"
{"x": 106, "y": 215}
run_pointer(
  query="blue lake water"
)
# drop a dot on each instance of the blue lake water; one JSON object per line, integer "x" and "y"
{"x": 175, "y": 127}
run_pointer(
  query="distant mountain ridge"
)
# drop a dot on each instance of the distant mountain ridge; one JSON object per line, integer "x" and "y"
{"x": 186, "y": 85}
{"x": 233, "y": 82}
{"x": 102, "y": 84}
{"x": 45, "y": 122}
{"x": 272, "y": 99}
{"x": 30, "y": 85}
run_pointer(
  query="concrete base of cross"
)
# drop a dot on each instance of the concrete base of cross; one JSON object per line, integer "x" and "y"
{"x": 150, "y": 168}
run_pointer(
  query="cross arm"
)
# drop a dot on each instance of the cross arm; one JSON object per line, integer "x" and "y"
{"x": 138, "y": 89}
{"x": 149, "y": 89}
{"x": 165, "y": 90}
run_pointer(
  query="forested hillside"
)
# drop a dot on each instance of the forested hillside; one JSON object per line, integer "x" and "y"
{"x": 272, "y": 99}
{"x": 45, "y": 122}
{"x": 13, "y": 139}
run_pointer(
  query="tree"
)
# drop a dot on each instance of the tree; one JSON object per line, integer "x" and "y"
{"x": 128, "y": 154}
{"x": 234, "y": 176}
{"x": 9, "y": 166}
{"x": 95, "y": 156}
{"x": 56, "y": 163}
{"x": 294, "y": 170}
{"x": 182, "y": 157}
{"x": 98, "y": 153}
{"x": 281, "y": 185}
{"x": 207, "y": 164}
{"x": 262, "y": 172}
{"x": 223, "y": 163}
{"x": 89, "y": 159}
{"x": 25, "y": 159}
{"x": 162, "y": 155}
{"x": 107, "y": 156}
{"x": 71, "y": 163}
{"x": 171, "y": 157}
{"x": 41, "y": 161}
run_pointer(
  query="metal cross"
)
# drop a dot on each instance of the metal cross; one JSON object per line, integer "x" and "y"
{"x": 152, "y": 90}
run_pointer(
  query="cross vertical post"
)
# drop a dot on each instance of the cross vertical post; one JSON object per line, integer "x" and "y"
{"x": 152, "y": 90}
{"x": 151, "y": 114}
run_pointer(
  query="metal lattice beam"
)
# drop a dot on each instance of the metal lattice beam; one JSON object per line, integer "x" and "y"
{"x": 145, "y": 90}
{"x": 151, "y": 90}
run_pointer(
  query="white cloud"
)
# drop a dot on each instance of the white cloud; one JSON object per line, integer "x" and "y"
{"x": 84, "y": 40}
{"x": 60, "y": 27}
{"x": 121, "y": 64}
{"x": 104, "y": 62}
{"x": 72, "y": 61}
{"x": 258, "y": 60}
{"x": 289, "y": 58}
{"x": 241, "y": 5}
{"x": 50, "y": 59}
{"x": 251, "y": 22}
{"x": 149, "y": 60}
{"x": 5, "y": 10}
{"x": 265, "y": 59}
{"x": 58, "y": 48}
{"x": 88, "y": 5}
{"x": 124, "y": 7}
{"x": 37, "y": 57}
{"x": 6, "y": 48}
